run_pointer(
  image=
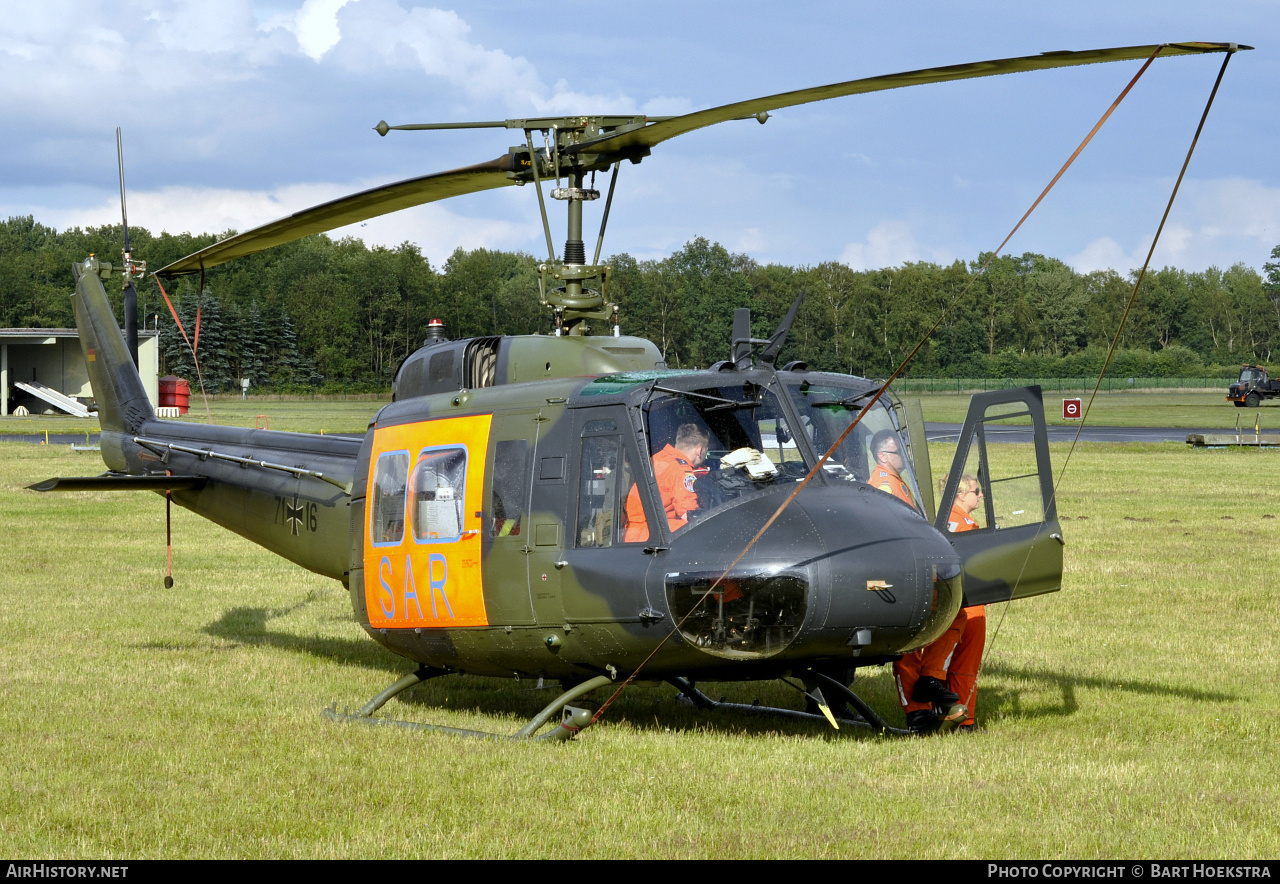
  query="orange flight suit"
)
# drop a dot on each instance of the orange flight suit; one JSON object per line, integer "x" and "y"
{"x": 675, "y": 477}
{"x": 954, "y": 657}
{"x": 888, "y": 480}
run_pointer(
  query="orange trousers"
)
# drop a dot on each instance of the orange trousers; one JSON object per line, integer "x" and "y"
{"x": 955, "y": 658}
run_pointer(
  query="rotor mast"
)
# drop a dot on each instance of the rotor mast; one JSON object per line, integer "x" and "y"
{"x": 565, "y": 284}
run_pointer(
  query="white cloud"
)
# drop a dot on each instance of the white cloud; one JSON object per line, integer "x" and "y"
{"x": 1235, "y": 208}
{"x": 315, "y": 25}
{"x": 194, "y": 209}
{"x": 749, "y": 241}
{"x": 169, "y": 50}
{"x": 1211, "y": 219}
{"x": 889, "y": 244}
{"x": 437, "y": 42}
{"x": 436, "y": 230}
{"x": 96, "y": 57}
{"x": 1103, "y": 253}
{"x": 200, "y": 27}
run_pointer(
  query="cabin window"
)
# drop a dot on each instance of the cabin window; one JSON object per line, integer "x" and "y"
{"x": 749, "y": 445}
{"x": 390, "y": 480}
{"x": 439, "y": 492}
{"x": 511, "y": 464}
{"x": 606, "y": 484}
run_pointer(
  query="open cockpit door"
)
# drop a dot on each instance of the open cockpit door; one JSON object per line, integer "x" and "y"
{"x": 1016, "y": 550}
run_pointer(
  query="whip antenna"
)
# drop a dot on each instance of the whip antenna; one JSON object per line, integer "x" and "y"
{"x": 131, "y": 268}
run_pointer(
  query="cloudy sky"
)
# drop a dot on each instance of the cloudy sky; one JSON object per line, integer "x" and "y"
{"x": 236, "y": 112}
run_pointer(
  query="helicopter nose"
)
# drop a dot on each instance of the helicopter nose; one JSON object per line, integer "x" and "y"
{"x": 891, "y": 580}
{"x": 845, "y": 571}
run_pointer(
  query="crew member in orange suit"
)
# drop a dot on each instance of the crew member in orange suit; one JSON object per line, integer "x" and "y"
{"x": 943, "y": 676}
{"x": 886, "y": 471}
{"x": 966, "y": 659}
{"x": 673, "y": 467}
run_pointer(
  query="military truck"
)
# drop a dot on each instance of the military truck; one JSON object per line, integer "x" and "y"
{"x": 1252, "y": 387}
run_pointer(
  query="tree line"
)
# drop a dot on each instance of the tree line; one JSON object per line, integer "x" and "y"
{"x": 321, "y": 311}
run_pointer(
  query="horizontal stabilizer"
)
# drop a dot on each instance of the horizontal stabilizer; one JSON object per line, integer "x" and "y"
{"x": 120, "y": 482}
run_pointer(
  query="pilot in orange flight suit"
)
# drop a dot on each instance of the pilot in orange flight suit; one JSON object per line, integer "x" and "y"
{"x": 954, "y": 657}
{"x": 673, "y": 467}
{"x": 886, "y": 472}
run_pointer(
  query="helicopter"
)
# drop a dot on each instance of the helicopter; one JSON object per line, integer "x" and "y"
{"x": 503, "y": 515}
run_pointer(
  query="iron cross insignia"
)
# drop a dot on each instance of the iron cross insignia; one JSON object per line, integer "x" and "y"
{"x": 293, "y": 514}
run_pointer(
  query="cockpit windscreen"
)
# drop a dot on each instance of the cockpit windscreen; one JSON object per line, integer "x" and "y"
{"x": 827, "y": 410}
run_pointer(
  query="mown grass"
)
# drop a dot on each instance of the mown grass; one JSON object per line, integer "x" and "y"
{"x": 1135, "y": 714}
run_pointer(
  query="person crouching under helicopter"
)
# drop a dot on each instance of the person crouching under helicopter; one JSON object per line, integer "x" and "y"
{"x": 933, "y": 681}
{"x": 673, "y": 467}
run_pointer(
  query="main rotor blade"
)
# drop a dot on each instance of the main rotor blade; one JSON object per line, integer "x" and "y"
{"x": 658, "y": 132}
{"x": 348, "y": 210}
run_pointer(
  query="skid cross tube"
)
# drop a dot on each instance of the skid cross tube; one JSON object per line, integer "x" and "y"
{"x": 572, "y": 718}
{"x": 868, "y": 718}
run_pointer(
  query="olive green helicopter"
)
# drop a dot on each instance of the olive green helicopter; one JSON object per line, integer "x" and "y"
{"x": 503, "y": 516}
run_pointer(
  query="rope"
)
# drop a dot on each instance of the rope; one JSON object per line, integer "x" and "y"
{"x": 190, "y": 345}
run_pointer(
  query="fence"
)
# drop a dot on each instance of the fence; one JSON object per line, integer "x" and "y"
{"x": 1057, "y": 385}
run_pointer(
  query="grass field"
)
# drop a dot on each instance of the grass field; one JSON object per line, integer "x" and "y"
{"x": 1135, "y": 714}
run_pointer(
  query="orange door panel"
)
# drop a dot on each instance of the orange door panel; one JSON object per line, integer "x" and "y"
{"x": 422, "y": 547}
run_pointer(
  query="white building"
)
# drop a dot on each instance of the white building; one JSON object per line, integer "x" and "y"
{"x": 52, "y": 357}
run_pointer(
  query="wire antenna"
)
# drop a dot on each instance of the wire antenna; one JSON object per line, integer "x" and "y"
{"x": 131, "y": 268}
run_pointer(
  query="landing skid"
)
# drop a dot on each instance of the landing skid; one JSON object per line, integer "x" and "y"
{"x": 823, "y": 685}
{"x": 572, "y": 718}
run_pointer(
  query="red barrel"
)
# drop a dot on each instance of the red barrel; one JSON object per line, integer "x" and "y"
{"x": 175, "y": 392}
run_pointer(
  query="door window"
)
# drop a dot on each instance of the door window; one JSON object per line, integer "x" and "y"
{"x": 386, "y": 524}
{"x": 606, "y": 488}
{"x": 1008, "y": 474}
{"x": 510, "y": 488}
{"x": 439, "y": 486}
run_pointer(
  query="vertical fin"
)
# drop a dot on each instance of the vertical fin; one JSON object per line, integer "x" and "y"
{"x": 122, "y": 400}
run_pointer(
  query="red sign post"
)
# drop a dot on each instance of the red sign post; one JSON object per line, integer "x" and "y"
{"x": 1072, "y": 409}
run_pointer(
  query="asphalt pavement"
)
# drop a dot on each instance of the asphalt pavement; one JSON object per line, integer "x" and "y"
{"x": 1059, "y": 433}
